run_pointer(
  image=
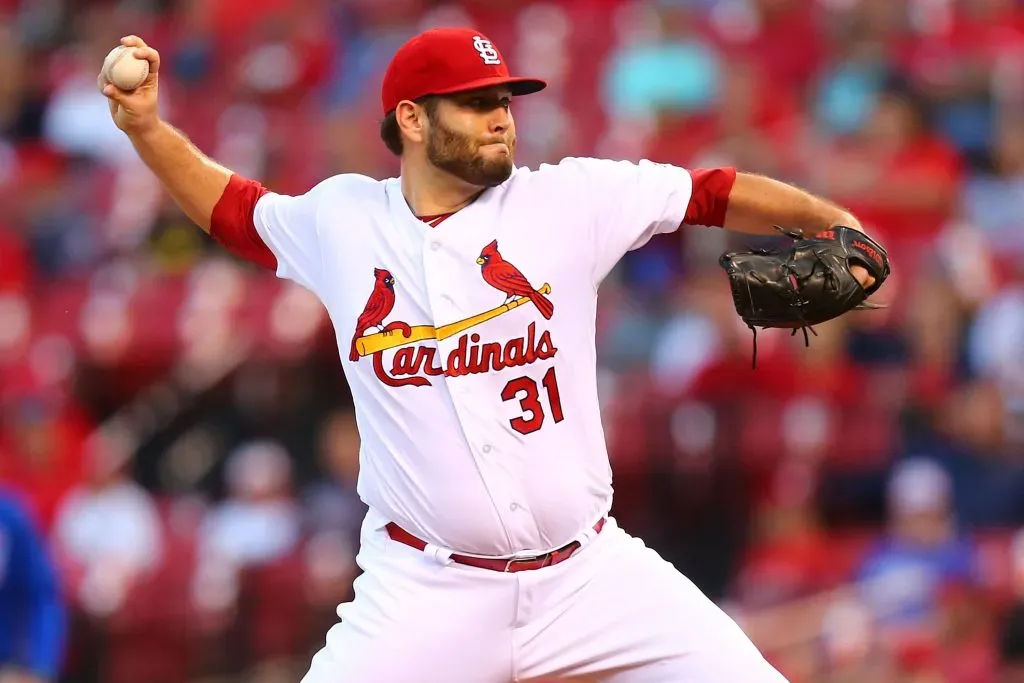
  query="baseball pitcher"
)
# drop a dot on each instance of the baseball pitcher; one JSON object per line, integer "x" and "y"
{"x": 463, "y": 296}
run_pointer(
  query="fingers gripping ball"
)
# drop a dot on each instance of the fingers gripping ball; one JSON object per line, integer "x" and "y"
{"x": 123, "y": 69}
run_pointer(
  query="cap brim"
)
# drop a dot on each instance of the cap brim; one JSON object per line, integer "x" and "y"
{"x": 518, "y": 86}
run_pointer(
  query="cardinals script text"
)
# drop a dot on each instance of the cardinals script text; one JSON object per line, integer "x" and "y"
{"x": 411, "y": 365}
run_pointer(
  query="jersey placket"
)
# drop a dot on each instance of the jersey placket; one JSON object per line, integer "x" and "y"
{"x": 447, "y": 271}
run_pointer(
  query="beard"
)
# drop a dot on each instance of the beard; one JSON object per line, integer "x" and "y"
{"x": 460, "y": 156}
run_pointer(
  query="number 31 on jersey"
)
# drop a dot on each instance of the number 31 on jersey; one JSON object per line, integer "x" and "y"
{"x": 527, "y": 391}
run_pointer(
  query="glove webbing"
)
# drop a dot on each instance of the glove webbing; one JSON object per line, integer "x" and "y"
{"x": 796, "y": 302}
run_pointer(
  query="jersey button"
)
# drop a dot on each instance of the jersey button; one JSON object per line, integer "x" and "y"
{"x": 513, "y": 507}
{"x": 486, "y": 448}
{"x": 435, "y": 245}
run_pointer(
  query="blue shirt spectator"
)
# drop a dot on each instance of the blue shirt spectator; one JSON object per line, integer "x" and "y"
{"x": 847, "y": 96}
{"x": 678, "y": 71}
{"x": 32, "y": 615}
{"x": 902, "y": 578}
{"x": 903, "y": 581}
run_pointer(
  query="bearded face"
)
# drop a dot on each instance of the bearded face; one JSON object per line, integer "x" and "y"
{"x": 484, "y": 161}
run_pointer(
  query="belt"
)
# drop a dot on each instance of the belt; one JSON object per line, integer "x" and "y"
{"x": 513, "y": 564}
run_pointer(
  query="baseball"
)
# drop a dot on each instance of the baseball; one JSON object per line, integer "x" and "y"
{"x": 123, "y": 69}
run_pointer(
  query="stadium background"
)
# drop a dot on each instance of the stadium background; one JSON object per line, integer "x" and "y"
{"x": 179, "y": 426}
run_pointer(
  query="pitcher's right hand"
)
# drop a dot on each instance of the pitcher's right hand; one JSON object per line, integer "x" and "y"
{"x": 135, "y": 112}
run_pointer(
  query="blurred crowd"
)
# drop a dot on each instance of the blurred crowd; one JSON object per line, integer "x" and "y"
{"x": 177, "y": 424}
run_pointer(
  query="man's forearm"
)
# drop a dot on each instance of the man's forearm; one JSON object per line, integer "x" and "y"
{"x": 756, "y": 203}
{"x": 193, "y": 180}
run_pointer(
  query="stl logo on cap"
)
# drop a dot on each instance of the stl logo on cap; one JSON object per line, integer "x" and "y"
{"x": 440, "y": 62}
{"x": 487, "y": 51}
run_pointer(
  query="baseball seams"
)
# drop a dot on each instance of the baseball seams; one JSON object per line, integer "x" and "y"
{"x": 123, "y": 69}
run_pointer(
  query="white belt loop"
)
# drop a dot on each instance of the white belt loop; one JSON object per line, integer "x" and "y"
{"x": 587, "y": 535}
{"x": 442, "y": 556}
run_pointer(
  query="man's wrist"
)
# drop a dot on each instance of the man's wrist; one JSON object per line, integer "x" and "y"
{"x": 145, "y": 134}
{"x": 846, "y": 220}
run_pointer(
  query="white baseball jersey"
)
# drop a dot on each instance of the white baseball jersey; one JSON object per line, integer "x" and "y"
{"x": 470, "y": 346}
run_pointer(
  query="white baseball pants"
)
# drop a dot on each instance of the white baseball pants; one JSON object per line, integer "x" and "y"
{"x": 615, "y": 612}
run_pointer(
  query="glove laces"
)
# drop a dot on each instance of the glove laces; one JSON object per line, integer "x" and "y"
{"x": 796, "y": 301}
{"x": 803, "y": 328}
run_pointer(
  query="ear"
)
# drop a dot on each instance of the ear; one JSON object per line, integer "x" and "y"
{"x": 412, "y": 120}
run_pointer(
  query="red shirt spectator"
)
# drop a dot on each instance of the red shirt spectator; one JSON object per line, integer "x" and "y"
{"x": 41, "y": 440}
{"x": 756, "y": 125}
{"x": 786, "y": 41}
{"x": 239, "y": 17}
{"x": 17, "y": 269}
{"x": 974, "y": 35}
{"x": 898, "y": 175}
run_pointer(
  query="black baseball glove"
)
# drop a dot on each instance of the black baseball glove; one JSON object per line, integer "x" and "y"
{"x": 806, "y": 284}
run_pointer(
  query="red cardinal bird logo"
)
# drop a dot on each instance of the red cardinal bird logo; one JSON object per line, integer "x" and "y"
{"x": 505, "y": 277}
{"x": 378, "y": 306}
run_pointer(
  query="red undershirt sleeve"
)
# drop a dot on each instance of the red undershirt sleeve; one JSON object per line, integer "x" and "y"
{"x": 232, "y": 222}
{"x": 709, "y": 198}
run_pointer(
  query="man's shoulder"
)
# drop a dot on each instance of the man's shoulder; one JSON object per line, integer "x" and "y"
{"x": 342, "y": 188}
{"x": 562, "y": 166}
{"x": 565, "y": 173}
{"x": 349, "y": 186}
{"x": 587, "y": 169}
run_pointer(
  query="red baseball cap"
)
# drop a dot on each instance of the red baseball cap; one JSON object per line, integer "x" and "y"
{"x": 444, "y": 61}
